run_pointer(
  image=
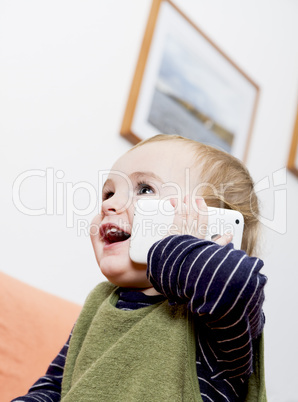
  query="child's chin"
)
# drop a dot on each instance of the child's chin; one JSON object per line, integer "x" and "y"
{"x": 114, "y": 267}
{"x": 122, "y": 272}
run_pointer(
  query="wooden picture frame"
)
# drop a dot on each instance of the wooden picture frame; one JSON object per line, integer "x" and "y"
{"x": 293, "y": 154}
{"x": 184, "y": 84}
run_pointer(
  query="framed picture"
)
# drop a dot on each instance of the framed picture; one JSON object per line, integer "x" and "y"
{"x": 293, "y": 155}
{"x": 184, "y": 84}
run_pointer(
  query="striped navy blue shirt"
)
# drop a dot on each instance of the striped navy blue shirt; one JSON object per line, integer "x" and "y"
{"x": 222, "y": 287}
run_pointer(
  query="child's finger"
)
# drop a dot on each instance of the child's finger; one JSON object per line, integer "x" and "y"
{"x": 190, "y": 219}
{"x": 225, "y": 239}
{"x": 178, "y": 226}
{"x": 197, "y": 218}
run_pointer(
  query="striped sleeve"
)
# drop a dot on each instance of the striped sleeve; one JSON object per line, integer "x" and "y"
{"x": 48, "y": 387}
{"x": 223, "y": 288}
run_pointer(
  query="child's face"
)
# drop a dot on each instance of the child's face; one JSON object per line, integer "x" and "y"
{"x": 158, "y": 170}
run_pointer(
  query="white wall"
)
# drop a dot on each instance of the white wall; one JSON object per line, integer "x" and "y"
{"x": 65, "y": 72}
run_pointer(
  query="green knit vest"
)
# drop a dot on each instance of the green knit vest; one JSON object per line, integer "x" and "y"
{"x": 144, "y": 355}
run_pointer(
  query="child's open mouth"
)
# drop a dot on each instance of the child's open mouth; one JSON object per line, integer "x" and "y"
{"x": 111, "y": 233}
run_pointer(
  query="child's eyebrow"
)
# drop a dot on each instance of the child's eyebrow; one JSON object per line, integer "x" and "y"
{"x": 148, "y": 175}
{"x": 135, "y": 176}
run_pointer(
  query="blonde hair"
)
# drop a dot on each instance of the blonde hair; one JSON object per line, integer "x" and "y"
{"x": 224, "y": 183}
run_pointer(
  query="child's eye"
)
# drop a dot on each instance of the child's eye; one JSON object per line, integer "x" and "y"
{"x": 144, "y": 188}
{"x": 106, "y": 195}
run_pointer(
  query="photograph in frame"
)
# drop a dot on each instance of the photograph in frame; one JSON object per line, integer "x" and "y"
{"x": 293, "y": 154}
{"x": 184, "y": 84}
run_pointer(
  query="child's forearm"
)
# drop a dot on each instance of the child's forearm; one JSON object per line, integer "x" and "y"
{"x": 215, "y": 281}
{"x": 48, "y": 387}
{"x": 221, "y": 286}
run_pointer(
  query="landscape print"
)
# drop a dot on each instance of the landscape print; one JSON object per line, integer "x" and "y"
{"x": 193, "y": 99}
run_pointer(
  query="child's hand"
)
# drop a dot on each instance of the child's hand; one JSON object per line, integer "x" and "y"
{"x": 189, "y": 219}
{"x": 193, "y": 220}
{"x": 223, "y": 240}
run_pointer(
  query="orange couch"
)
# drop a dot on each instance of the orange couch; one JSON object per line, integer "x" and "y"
{"x": 34, "y": 325}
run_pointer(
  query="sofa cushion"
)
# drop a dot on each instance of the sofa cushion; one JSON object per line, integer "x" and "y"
{"x": 34, "y": 325}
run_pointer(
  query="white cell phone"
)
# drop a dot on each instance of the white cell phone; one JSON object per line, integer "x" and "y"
{"x": 153, "y": 219}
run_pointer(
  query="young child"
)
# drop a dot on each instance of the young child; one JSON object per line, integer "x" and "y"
{"x": 186, "y": 327}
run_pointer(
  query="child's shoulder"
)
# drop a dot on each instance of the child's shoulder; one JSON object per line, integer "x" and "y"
{"x": 102, "y": 290}
{"x": 99, "y": 294}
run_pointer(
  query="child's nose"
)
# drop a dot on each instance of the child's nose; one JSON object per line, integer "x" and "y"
{"x": 114, "y": 205}
{"x": 109, "y": 207}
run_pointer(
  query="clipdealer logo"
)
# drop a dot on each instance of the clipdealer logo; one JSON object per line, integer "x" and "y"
{"x": 59, "y": 198}
{"x": 59, "y": 195}
{"x": 275, "y": 186}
